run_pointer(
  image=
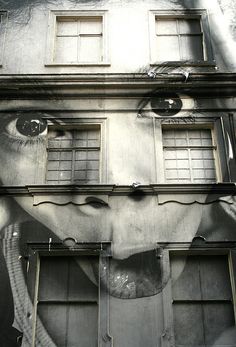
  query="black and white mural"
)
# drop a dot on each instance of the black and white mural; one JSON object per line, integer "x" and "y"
{"x": 108, "y": 235}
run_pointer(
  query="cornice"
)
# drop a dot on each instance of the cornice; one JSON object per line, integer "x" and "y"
{"x": 69, "y": 85}
{"x": 104, "y": 189}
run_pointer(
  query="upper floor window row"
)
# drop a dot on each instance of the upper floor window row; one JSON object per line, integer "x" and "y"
{"x": 80, "y": 38}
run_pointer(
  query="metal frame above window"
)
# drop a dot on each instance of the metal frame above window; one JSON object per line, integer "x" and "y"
{"x": 194, "y": 24}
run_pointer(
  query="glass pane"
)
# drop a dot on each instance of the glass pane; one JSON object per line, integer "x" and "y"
{"x": 72, "y": 284}
{"x": 69, "y": 323}
{"x": 66, "y": 50}
{"x": 93, "y": 155}
{"x": 166, "y": 26}
{"x": 90, "y": 49}
{"x": 91, "y": 26}
{"x": 218, "y": 318}
{"x": 188, "y": 324}
{"x": 67, "y": 27}
{"x": 189, "y": 26}
{"x": 53, "y": 155}
{"x": 53, "y": 165}
{"x": 167, "y": 48}
{"x": 191, "y": 48}
{"x": 215, "y": 284}
{"x": 185, "y": 270}
{"x": 52, "y": 176}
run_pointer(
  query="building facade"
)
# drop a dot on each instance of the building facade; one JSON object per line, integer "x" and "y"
{"x": 117, "y": 151}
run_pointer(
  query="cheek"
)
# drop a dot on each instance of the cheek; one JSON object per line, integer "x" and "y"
{"x": 18, "y": 167}
{"x": 68, "y": 221}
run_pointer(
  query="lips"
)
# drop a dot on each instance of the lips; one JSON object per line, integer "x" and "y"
{"x": 138, "y": 276}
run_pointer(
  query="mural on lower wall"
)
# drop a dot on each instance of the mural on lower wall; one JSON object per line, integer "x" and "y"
{"x": 135, "y": 224}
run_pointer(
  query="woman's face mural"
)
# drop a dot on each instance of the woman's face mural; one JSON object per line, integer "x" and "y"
{"x": 137, "y": 221}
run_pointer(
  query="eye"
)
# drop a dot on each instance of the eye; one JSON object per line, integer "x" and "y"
{"x": 23, "y": 128}
{"x": 30, "y": 125}
{"x": 165, "y": 104}
{"x": 95, "y": 202}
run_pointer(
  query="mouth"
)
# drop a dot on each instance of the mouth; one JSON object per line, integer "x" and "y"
{"x": 138, "y": 276}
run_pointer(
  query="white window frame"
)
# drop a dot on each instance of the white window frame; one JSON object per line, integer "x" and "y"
{"x": 3, "y": 26}
{"x": 214, "y": 147}
{"x": 182, "y": 14}
{"x": 180, "y": 123}
{"x": 51, "y": 37}
{"x": 168, "y": 337}
{"x": 73, "y": 123}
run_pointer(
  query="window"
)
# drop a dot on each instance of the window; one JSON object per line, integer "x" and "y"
{"x": 3, "y": 23}
{"x": 74, "y": 155}
{"x": 179, "y": 39}
{"x": 178, "y": 36}
{"x": 67, "y": 305}
{"x": 189, "y": 155}
{"x": 77, "y": 38}
{"x": 201, "y": 300}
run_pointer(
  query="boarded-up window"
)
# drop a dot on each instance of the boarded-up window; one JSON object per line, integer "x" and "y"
{"x": 67, "y": 304}
{"x": 73, "y": 156}
{"x": 179, "y": 39}
{"x": 78, "y": 40}
{"x": 202, "y": 300}
{"x": 189, "y": 156}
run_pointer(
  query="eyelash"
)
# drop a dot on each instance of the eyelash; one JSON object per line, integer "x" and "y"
{"x": 16, "y": 142}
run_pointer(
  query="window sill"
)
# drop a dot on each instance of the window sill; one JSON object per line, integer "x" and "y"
{"x": 76, "y": 64}
{"x": 182, "y": 63}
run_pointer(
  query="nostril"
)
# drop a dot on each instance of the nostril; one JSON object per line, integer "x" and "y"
{"x": 137, "y": 195}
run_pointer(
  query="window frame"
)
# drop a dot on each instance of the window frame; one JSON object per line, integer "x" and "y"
{"x": 73, "y": 123}
{"x": 49, "y": 249}
{"x": 193, "y": 122}
{"x": 199, "y": 14}
{"x": 198, "y": 247}
{"x": 51, "y": 37}
{"x": 214, "y": 148}
{"x": 3, "y": 27}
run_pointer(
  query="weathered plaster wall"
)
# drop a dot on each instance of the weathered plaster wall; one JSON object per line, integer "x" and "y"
{"x": 129, "y": 46}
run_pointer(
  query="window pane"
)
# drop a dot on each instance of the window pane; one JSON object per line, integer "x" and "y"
{"x": 191, "y": 47}
{"x": 189, "y": 26}
{"x": 91, "y": 26}
{"x": 70, "y": 323}
{"x": 67, "y": 27}
{"x": 167, "y": 48}
{"x": 218, "y": 318}
{"x": 166, "y": 26}
{"x": 188, "y": 325}
{"x": 90, "y": 49}
{"x": 66, "y": 50}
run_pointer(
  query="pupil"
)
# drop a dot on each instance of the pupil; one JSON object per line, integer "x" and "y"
{"x": 30, "y": 125}
{"x": 167, "y": 104}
